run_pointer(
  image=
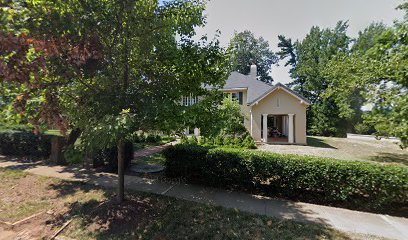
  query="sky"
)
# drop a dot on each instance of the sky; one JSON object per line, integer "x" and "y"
{"x": 293, "y": 18}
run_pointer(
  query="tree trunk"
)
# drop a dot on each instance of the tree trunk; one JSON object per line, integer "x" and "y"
{"x": 121, "y": 170}
{"x": 73, "y": 136}
{"x": 57, "y": 146}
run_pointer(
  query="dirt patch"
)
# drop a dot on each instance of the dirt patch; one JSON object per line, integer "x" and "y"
{"x": 37, "y": 227}
{"x": 113, "y": 219}
{"x": 24, "y": 195}
{"x": 34, "y": 207}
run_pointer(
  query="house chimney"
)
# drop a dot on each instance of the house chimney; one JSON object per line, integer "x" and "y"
{"x": 253, "y": 71}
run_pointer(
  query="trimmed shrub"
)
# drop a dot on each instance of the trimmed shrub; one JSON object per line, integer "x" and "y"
{"x": 152, "y": 138}
{"x": 354, "y": 183}
{"x": 24, "y": 143}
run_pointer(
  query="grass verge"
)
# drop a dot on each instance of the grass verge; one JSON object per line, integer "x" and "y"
{"x": 96, "y": 215}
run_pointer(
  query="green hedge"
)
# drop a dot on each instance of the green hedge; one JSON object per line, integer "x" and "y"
{"x": 24, "y": 143}
{"x": 298, "y": 177}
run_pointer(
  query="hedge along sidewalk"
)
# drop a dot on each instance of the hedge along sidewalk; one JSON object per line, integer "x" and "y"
{"x": 357, "y": 185}
{"x": 340, "y": 219}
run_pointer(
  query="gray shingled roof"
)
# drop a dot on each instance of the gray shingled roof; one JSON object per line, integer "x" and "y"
{"x": 256, "y": 89}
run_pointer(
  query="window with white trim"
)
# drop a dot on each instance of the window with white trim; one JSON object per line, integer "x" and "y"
{"x": 237, "y": 96}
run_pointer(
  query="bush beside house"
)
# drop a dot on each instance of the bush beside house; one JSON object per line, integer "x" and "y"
{"x": 356, "y": 184}
{"x": 244, "y": 141}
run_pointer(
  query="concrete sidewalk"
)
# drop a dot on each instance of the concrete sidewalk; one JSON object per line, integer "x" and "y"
{"x": 338, "y": 218}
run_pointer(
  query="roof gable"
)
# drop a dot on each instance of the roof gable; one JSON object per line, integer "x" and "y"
{"x": 284, "y": 88}
{"x": 256, "y": 90}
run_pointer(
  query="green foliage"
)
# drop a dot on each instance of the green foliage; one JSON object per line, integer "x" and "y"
{"x": 249, "y": 142}
{"x": 203, "y": 140}
{"x": 307, "y": 60}
{"x": 152, "y": 138}
{"x": 24, "y": 143}
{"x": 247, "y": 49}
{"x": 219, "y": 140}
{"x": 364, "y": 128}
{"x": 113, "y": 73}
{"x": 193, "y": 140}
{"x": 231, "y": 117}
{"x": 184, "y": 139}
{"x": 376, "y": 70}
{"x": 238, "y": 141}
{"x": 326, "y": 180}
{"x": 108, "y": 157}
{"x": 73, "y": 155}
{"x": 229, "y": 140}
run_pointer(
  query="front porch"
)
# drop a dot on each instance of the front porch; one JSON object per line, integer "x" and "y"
{"x": 277, "y": 129}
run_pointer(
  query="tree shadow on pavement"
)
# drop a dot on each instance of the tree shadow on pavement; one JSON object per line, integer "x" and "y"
{"x": 319, "y": 143}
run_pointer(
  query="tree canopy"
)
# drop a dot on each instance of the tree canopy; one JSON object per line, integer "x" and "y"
{"x": 307, "y": 60}
{"x": 247, "y": 49}
{"x": 377, "y": 70}
{"x": 340, "y": 75}
{"x": 108, "y": 67}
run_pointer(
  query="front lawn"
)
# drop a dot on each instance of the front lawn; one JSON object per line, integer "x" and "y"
{"x": 95, "y": 215}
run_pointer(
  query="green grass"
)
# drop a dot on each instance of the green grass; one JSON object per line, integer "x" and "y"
{"x": 53, "y": 132}
{"x": 11, "y": 174}
{"x": 23, "y": 210}
{"x": 156, "y": 158}
{"x": 96, "y": 215}
{"x": 12, "y": 206}
{"x": 158, "y": 217}
{"x": 142, "y": 145}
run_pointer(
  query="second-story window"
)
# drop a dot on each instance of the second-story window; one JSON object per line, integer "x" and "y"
{"x": 237, "y": 96}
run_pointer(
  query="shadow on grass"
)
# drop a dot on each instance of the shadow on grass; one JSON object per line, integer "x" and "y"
{"x": 401, "y": 158}
{"x": 147, "y": 216}
{"x": 316, "y": 142}
{"x": 150, "y": 216}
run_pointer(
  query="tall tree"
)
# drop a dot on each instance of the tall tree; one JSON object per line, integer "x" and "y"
{"x": 344, "y": 73}
{"x": 377, "y": 69}
{"x": 110, "y": 67}
{"x": 247, "y": 49}
{"x": 307, "y": 60}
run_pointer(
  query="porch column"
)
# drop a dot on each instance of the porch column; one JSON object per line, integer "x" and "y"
{"x": 265, "y": 127}
{"x": 196, "y": 132}
{"x": 284, "y": 125}
{"x": 291, "y": 129}
{"x": 252, "y": 118}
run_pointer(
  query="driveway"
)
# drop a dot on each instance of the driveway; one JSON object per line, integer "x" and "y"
{"x": 352, "y": 148}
